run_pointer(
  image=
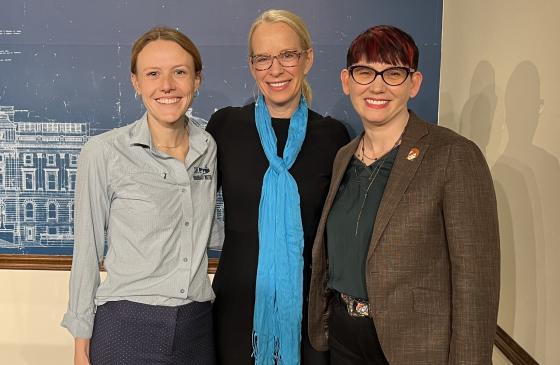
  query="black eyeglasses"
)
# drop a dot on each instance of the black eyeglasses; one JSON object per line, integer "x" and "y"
{"x": 263, "y": 62}
{"x": 392, "y": 76}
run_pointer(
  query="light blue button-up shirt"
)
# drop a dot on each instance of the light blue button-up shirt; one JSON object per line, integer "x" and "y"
{"x": 156, "y": 214}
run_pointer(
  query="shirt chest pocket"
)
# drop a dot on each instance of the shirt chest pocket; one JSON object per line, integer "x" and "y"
{"x": 142, "y": 191}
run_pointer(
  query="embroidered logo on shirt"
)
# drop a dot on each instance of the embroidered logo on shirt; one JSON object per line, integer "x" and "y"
{"x": 202, "y": 173}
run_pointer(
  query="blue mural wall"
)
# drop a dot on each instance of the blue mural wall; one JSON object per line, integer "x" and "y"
{"x": 64, "y": 76}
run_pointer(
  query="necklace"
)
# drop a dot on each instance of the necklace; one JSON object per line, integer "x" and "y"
{"x": 364, "y": 153}
{"x": 372, "y": 177}
{"x": 169, "y": 147}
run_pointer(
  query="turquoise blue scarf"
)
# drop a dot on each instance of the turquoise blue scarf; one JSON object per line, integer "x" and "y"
{"x": 279, "y": 289}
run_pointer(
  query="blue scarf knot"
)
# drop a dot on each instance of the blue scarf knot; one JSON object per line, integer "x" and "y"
{"x": 279, "y": 287}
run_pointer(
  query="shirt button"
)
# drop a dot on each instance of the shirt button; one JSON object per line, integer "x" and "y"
{"x": 186, "y": 224}
{"x": 185, "y": 259}
{"x": 182, "y": 290}
{"x": 183, "y": 190}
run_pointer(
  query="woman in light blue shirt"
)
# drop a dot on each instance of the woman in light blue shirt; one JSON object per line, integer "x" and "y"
{"x": 148, "y": 190}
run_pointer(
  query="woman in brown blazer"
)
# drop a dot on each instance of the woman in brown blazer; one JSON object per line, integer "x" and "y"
{"x": 406, "y": 258}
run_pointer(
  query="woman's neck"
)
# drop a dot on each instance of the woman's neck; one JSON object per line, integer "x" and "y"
{"x": 284, "y": 111}
{"x": 170, "y": 135}
{"x": 380, "y": 139}
{"x": 173, "y": 139}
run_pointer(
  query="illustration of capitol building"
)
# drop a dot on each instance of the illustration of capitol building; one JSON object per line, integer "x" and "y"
{"x": 38, "y": 162}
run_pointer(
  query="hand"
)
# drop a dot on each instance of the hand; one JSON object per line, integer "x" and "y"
{"x": 81, "y": 351}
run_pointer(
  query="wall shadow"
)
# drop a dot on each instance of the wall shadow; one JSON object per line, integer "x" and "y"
{"x": 478, "y": 112}
{"x": 476, "y": 121}
{"x": 526, "y": 177}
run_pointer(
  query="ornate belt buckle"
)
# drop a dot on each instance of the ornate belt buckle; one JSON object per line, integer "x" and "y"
{"x": 354, "y": 307}
{"x": 362, "y": 309}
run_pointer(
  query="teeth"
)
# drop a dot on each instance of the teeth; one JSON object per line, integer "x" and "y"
{"x": 167, "y": 100}
{"x": 278, "y": 84}
{"x": 376, "y": 102}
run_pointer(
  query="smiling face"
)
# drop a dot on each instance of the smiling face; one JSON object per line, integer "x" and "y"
{"x": 281, "y": 86}
{"x": 166, "y": 79}
{"x": 378, "y": 103}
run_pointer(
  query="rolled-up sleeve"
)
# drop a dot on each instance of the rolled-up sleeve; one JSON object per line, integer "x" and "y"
{"x": 92, "y": 202}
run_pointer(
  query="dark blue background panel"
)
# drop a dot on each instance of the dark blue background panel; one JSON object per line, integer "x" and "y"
{"x": 68, "y": 62}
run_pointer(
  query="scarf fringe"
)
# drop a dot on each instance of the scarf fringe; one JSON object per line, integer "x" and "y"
{"x": 258, "y": 355}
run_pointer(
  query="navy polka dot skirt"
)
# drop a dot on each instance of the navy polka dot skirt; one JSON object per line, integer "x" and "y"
{"x": 129, "y": 333}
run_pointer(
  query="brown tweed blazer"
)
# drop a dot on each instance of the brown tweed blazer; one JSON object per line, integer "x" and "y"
{"x": 433, "y": 263}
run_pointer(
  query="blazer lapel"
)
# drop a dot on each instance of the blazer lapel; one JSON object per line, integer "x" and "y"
{"x": 319, "y": 248}
{"x": 339, "y": 169}
{"x": 403, "y": 171}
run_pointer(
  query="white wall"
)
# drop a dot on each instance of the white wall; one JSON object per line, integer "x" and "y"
{"x": 500, "y": 86}
{"x": 31, "y": 307}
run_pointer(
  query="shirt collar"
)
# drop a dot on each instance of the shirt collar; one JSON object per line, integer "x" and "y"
{"x": 140, "y": 135}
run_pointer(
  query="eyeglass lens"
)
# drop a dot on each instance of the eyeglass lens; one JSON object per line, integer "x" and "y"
{"x": 392, "y": 76}
{"x": 286, "y": 59}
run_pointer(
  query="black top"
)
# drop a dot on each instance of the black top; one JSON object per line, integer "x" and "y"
{"x": 241, "y": 168}
{"x": 351, "y": 220}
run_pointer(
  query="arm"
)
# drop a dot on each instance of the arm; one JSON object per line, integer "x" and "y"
{"x": 91, "y": 212}
{"x": 217, "y": 233}
{"x": 471, "y": 225}
{"x": 81, "y": 351}
{"x": 213, "y": 127}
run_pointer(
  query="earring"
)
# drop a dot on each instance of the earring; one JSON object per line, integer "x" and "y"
{"x": 196, "y": 93}
{"x": 135, "y": 94}
{"x": 258, "y": 92}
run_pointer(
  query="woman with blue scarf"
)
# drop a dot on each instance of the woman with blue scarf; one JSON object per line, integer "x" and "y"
{"x": 274, "y": 165}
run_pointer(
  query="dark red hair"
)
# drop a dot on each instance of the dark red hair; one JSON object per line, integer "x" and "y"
{"x": 384, "y": 44}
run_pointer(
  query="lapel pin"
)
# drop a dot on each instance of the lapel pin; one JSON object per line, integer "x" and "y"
{"x": 413, "y": 153}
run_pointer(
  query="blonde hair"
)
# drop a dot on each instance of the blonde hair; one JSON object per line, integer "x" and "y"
{"x": 297, "y": 25}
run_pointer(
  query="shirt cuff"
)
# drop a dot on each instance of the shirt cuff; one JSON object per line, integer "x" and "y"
{"x": 80, "y": 326}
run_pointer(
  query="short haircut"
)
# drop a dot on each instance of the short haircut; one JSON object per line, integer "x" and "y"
{"x": 384, "y": 44}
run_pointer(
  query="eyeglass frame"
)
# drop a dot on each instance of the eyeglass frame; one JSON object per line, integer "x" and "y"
{"x": 409, "y": 71}
{"x": 298, "y": 53}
